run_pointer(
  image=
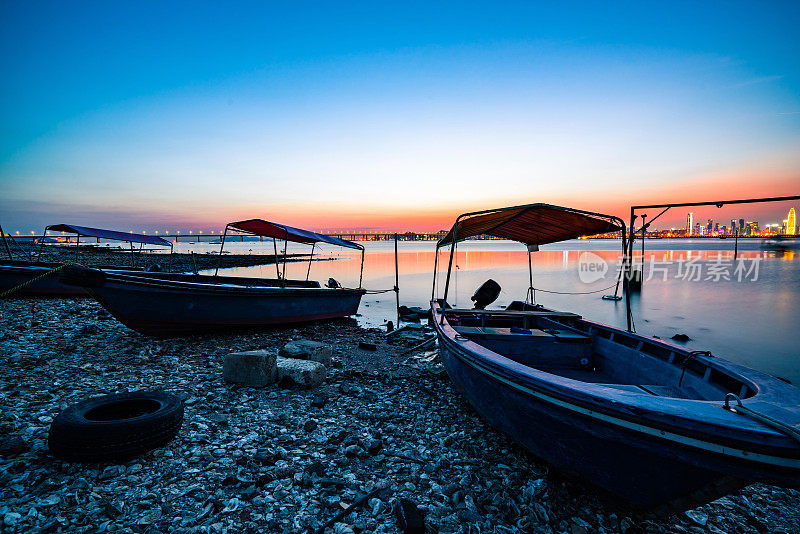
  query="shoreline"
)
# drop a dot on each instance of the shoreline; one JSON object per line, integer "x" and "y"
{"x": 263, "y": 459}
{"x": 177, "y": 261}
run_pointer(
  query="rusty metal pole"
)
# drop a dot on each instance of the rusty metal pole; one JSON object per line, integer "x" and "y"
{"x": 396, "y": 281}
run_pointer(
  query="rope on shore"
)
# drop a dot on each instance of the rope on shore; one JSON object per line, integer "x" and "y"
{"x": 14, "y": 289}
{"x": 371, "y": 291}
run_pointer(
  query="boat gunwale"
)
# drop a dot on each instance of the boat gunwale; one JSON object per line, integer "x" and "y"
{"x": 124, "y": 280}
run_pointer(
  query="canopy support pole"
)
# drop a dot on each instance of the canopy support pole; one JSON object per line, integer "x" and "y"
{"x": 397, "y": 281}
{"x": 308, "y": 272}
{"x": 531, "y": 291}
{"x": 449, "y": 268}
{"x": 5, "y": 242}
{"x": 361, "y": 272}
{"x": 285, "y": 255}
{"x": 77, "y": 243}
{"x": 275, "y": 259}
{"x": 435, "y": 268}
{"x": 222, "y": 244}
{"x": 41, "y": 244}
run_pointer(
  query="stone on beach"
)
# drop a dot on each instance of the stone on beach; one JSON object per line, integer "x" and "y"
{"x": 306, "y": 349}
{"x": 300, "y": 372}
{"x": 253, "y": 368}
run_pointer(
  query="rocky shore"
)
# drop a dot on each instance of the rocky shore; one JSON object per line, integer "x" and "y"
{"x": 281, "y": 460}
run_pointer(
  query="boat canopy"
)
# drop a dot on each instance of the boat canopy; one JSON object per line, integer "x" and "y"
{"x": 532, "y": 225}
{"x": 288, "y": 233}
{"x": 108, "y": 234}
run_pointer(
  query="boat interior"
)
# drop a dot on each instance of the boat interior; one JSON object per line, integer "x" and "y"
{"x": 566, "y": 345}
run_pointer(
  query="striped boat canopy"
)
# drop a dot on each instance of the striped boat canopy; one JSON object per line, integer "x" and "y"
{"x": 532, "y": 225}
{"x": 288, "y": 233}
{"x": 108, "y": 234}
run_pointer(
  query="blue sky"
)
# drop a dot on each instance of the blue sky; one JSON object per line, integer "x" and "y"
{"x": 362, "y": 115}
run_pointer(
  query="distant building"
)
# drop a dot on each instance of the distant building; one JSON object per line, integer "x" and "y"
{"x": 733, "y": 226}
{"x": 791, "y": 222}
{"x": 689, "y": 223}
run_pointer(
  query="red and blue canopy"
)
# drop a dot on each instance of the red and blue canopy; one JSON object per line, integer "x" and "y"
{"x": 289, "y": 233}
{"x": 108, "y": 234}
{"x": 534, "y": 224}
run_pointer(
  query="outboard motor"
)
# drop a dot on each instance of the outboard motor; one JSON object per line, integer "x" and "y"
{"x": 486, "y": 294}
{"x": 333, "y": 284}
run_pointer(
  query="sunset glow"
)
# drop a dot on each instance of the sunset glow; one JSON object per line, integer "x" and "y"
{"x": 332, "y": 118}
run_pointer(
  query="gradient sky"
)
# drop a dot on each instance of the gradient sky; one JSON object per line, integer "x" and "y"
{"x": 180, "y": 115}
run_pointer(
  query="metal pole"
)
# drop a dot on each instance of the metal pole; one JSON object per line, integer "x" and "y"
{"x": 77, "y": 242}
{"x": 435, "y": 267}
{"x": 275, "y": 247}
{"x": 361, "y": 272}
{"x": 736, "y": 243}
{"x": 530, "y": 279}
{"x": 285, "y": 250}
{"x": 39, "y": 255}
{"x": 626, "y": 285}
{"x": 308, "y": 272}
{"x": 396, "y": 281}
{"x": 5, "y": 242}
{"x": 222, "y": 244}
{"x": 644, "y": 226}
{"x": 449, "y": 268}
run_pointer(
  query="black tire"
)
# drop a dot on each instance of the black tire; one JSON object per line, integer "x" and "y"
{"x": 115, "y": 427}
{"x": 75, "y": 275}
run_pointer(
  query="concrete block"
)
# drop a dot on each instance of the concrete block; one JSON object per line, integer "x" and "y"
{"x": 300, "y": 372}
{"x": 306, "y": 349}
{"x": 255, "y": 368}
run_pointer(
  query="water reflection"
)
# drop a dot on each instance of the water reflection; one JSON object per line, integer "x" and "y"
{"x": 746, "y": 320}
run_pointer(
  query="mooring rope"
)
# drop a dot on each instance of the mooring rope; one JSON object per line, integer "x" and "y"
{"x": 573, "y": 292}
{"x": 14, "y": 289}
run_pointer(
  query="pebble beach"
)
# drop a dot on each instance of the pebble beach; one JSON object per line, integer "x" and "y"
{"x": 385, "y": 422}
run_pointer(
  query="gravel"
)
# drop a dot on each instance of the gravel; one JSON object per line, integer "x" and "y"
{"x": 287, "y": 460}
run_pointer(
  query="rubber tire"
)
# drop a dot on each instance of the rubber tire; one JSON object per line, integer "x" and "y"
{"x": 108, "y": 434}
{"x": 75, "y": 275}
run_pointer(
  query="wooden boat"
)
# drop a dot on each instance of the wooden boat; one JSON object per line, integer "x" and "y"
{"x": 648, "y": 421}
{"x": 173, "y": 304}
{"x": 39, "y": 278}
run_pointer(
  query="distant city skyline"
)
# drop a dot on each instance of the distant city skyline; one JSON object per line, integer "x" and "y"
{"x": 390, "y": 116}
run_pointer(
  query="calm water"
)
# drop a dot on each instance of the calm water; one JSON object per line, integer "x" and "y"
{"x": 746, "y": 311}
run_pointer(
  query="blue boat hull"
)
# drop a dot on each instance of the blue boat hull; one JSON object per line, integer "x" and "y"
{"x": 636, "y": 470}
{"x": 154, "y": 307}
{"x": 617, "y": 447}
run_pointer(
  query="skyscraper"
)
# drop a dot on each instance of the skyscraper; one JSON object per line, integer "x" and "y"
{"x": 791, "y": 222}
{"x": 733, "y": 226}
{"x": 690, "y": 223}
